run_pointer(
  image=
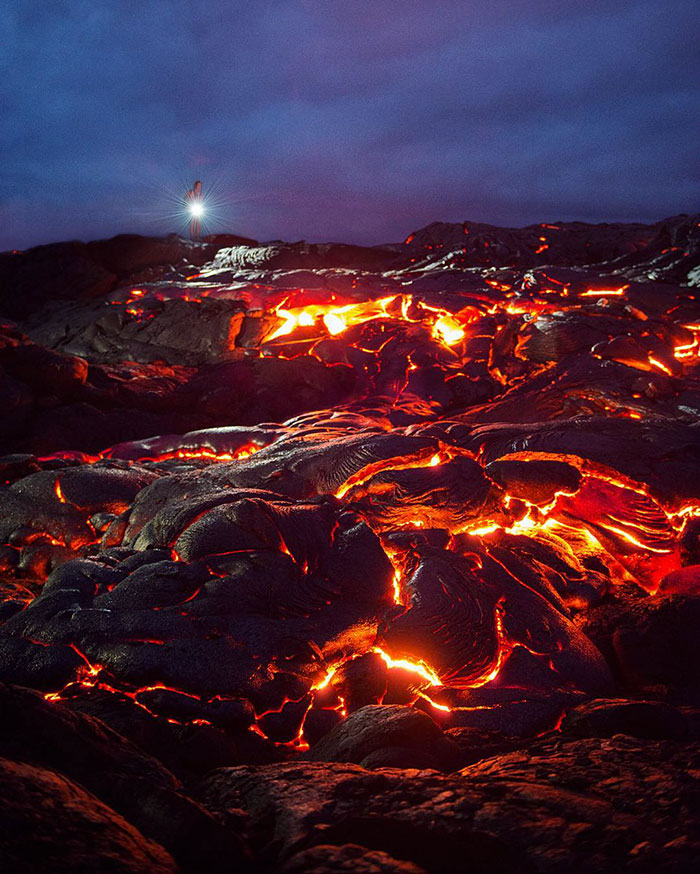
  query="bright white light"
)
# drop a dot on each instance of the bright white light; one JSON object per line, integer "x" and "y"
{"x": 196, "y": 209}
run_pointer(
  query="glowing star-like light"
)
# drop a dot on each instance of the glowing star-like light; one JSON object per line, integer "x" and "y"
{"x": 196, "y": 209}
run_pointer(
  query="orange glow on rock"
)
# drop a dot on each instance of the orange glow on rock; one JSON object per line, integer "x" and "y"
{"x": 419, "y": 460}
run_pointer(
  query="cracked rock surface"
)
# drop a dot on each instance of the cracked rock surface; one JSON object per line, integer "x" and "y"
{"x": 321, "y": 558}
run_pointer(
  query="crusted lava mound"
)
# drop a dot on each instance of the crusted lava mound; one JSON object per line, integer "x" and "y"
{"x": 327, "y": 558}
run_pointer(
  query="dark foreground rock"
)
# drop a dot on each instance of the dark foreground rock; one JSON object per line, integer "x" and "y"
{"x": 49, "y": 823}
{"x": 327, "y": 859}
{"x": 654, "y": 720}
{"x": 81, "y": 755}
{"x": 598, "y": 805}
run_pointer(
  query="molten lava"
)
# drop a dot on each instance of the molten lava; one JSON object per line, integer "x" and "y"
{"x": 446, "y": 327}
{"x": 417, "y": 535}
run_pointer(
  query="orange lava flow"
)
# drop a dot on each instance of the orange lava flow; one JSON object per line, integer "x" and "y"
{"x": 446, "y": 327}
{"x": 336, "y": 319}
{"x": 205, "y": 453}
{"x": 608, "y": 515}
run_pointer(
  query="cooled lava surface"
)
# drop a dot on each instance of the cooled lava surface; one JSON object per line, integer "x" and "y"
{"x": 321, "y": 558}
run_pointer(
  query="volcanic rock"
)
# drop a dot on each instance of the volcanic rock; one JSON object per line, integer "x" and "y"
{"x": 657, "y": 645}
{"x": 50, "y": 735}
{"x": 642, "y": 719}
{"x": 376, "y": 736}
{"x": 352, "y": 858}
{"x": 52, "y": 824}
{"x": 402, "y": 541}
{"x": 594, "y": 804}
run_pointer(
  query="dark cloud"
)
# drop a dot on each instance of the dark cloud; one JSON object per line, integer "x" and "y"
{"x": 350, "y": 120}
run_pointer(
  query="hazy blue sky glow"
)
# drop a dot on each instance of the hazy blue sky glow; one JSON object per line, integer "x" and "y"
{"x": 357, "y": 121}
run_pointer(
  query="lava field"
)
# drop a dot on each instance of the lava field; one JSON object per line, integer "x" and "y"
{"x": 328, "y": 558}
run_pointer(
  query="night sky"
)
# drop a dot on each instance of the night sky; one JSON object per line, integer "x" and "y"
{"x": 357, "y": 121}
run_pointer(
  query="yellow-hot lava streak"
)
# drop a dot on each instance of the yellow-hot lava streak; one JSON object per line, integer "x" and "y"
{"x": 424, "y": 671}
{"x": 206, "y": 454}
{"x": 336, "y": 319}
{"x": 59, "y": 492}
{"x": 446, "y": 327}
{"x": 605, "y": 292}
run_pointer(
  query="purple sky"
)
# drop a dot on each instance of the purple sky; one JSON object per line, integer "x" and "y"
{"x": 356, "y": 121}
